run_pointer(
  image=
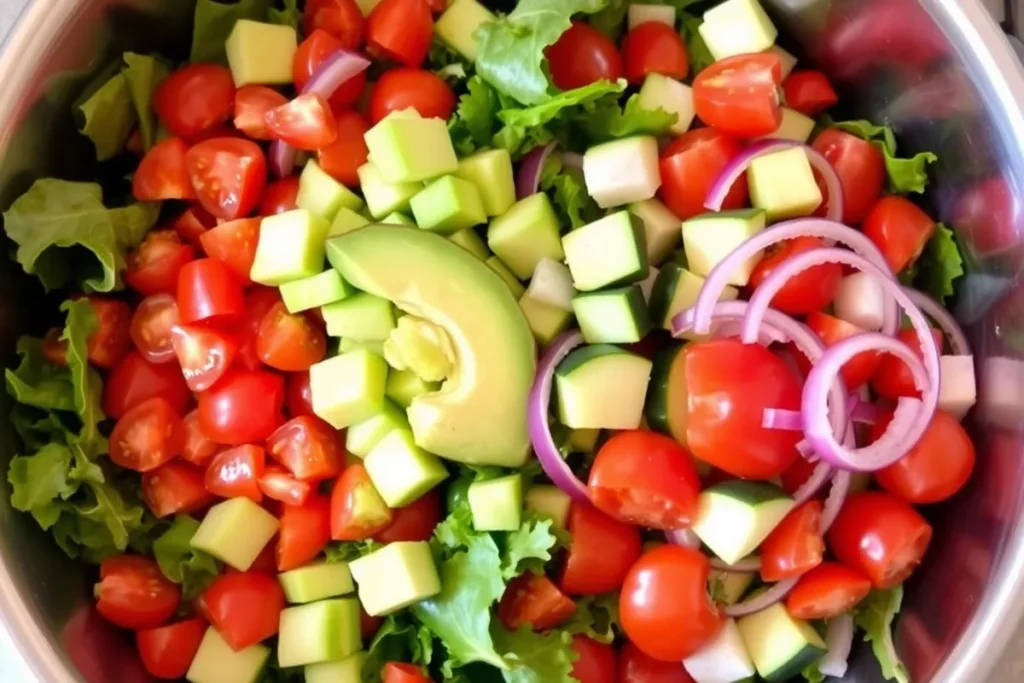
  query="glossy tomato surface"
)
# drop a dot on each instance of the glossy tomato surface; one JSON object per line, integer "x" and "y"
{"x": 233, "y": 243}
{"x": 154, "y": 265}
{"x": 289, "y": 341}
{"x": 243, "y": 407}
{"x": 244, "y": 607}
{"x": 135, "y": 380}
{"x": 419, "y": 89}
{"x": 304, "y": 533}
{"x": 400, "y": 31}
{"x": 795, "y": 546}
{"x": 637, "y": 667}
{"x": 689, "y": 166}
{"x": 235, "y": 473}
{"x": 806, "y": 292}
{"x": 228, "y": 175}
{"x": 147, "y": 436}
{"x": 595, "y": 662}
{"x": 175, "y": 488}
{"x": 342, "y": 158}
{"x": 600, "y": 554}
{"x": 739, "y": 95}
{"x": 151, "y": 327}
{"x": 583, "y": 55}
{"x": 654, "y": 48}
{"x": 306, "y": 122}
{"x": 134, "y": 594}
{"x": 860, "y": 167}
{"x": 827, "y": 591}
{"x": 900, "y": 229}
{"x": 309, "y": 447}
{"x": 167, "y": 652}
{"x": 534, "y": 600}
{"x": 194, "y": 99}
{"x": 357, "y": 510}
{"x": 314, "y": 51}
{"x": 163, "y": 173}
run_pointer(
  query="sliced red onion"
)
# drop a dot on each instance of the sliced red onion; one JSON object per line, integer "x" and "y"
{"x": 862, "y": 412}
{"x": 763, "y": 601}
{"x": 530, "y": 168}
{"x": 572, "y": 160}
{"x": 338, "y": 68}
{"x": 282, "y": 158}
{"x": 836, "y": 496}
{"x": 537, "y": 418}
{"x": 839, "y": 639}
{"x": 779, "y": 418}
{"x": 739, "y": 164}
{"x": 683, "y": 537}
{"x": 958, "y": 343}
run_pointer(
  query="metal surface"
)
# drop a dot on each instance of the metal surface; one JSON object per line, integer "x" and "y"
{"x": 939, "y": 70}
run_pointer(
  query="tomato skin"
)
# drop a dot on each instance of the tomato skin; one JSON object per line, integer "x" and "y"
{"x": 860, "y": 167}
{"x": 422, "y": 90}
{"x": 795, "y": 545}
{"x": 400, "y": 31}
{"x": 534, "y": 600}
{"x": 153, "y": 266}
{"x": 644, "y": 478}
{"x": 235, "y": 473}
{"x": 600, "y": 554}
{"x": 827, "y": 591}
{"x": 151, "y": 327}
{"x": 340, "y": 18}
{"x": 198, "y": 449}
{"x": 309, "y": 447}
{"x": 414, "y": 522}
{"x": 880, "y": 536}
{"x": 298, "y": 395}
{"x": 368, "y": 626}
{"x": 400, "y": 672}
{"x": 899, "y": 229}
{"x": 243, "y": 407}
{"x": 208, "y": 289}
{"x": 581, "y": 56}
{"x": 664, "y": 604}
{"x": 228, "y": 175}
{"x": 204, "y": 354}
{"x": 278, "y": 484}
{"x": 167, "y": 652}
{"x": 312, "y": 52}
{"x": 163, "y": 173}
{"x": 147, "y": 436}
{"x": 174, "y": 488}
{"x": 133, "y": 594}
{"x": 809, "y": 92}
{"x": 654, "y": 48}
{"x": 343, "y": 157}
{"x": 831, "y": 330}
{"x": 892, "y": 378}
{"x": 797, "y": 475}
{"x": 595, "y": 661}
{"x": 135, "y": 380}
{"x": 806, "y": 292}
{"x": 305, "y": 531}
{"x": 936, "y": 468}
{"x": 233, "y": 243}
{"x": 194, "y": 99}
{"x": 279, "y": 197}
{"x": 192, "y": 223}
{"x": 244, "y": 607}
{"x": 730, "y": 384}
{"x": 637, "y": 667}
{"x": 252, "y": 102}
{"x": 288, "y": 341}
{"x": 357, "y": 510}
{"x": 306, "y": 122}
{"x": 739, "y": 95}
{"x": 258, "y": 301}
{"x": 689, "y": 166}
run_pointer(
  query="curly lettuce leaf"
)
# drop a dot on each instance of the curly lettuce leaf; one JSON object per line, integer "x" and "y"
{"x": 399, "y": 639}
{"x": 939, "y": 265}
{"x": 180, "y": 562}
{"x": 610, "y": 120}
{"x": 472, "y": 125}
{"x": 698, "y": 51}
{"x": 874, "y": 616}
{"x": 905, "y": 175}
{"x": 212, "y": 24}
{"x": 536, "y": 657}
{"x": 347, "y": 551}
{"x": 568, "y": 192}
{"x": 528, "y": 548}
{"x": 597, "y": 617}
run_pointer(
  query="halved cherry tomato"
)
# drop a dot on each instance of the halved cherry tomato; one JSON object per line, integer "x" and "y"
{"x": 422, "y": 90}
{"x": 234, "y": 244}
{"x": 795, "y": 545}
{"x": 306, "y": 122}
{"x": 809, "y": 92}
{"x": 664, "y": 604}
{"x": 244, "y": 607}
{"x": 194, "y": 99}
{"x": 135, "y": 380}
{"x": 309, "y": 447}
{"x": 191, "y": 224}
{"x": 797, "y": 475}
{"x": 400, "y": 31}
{"x": 280, "y": 484}
{"x": 134, "y": 594}
{"x": 892, "y": 378}
{"x": 340, "y": 18}
{"x": 689, "y": 166}
{"x": 806, "y": 292}
{"x": 636, "y": 667}
{"x": 936, "y": 468}
{"x": 266, "y": 561}
{"x": 645, "y": 478}
{"x": 204, "y": 354}
{"x": 860, "y": 167}
{"x": 827, "y": 591}
{"x": 199, "y": 449}
{"x": 163, "y": 173}
{"x": 595, "y": 662}
{"x": 881, "y": 536}
{"x": 228, "y": 175}
{"x": 831, "y": 330}
{"x": 400, "y": 672}
{"x": 357, "y": 510}
{"x": 175, "y": 488}
{"x": 280, "y": 196}
{"x": 151, "y": 327}
{"x": 167, "y": 652}
{"x": 243, "y": 407}
{"x": 654, "y": 48}
{"x": 208, "y": 289}
{"x": 343, "y": 157}
{"x": 147, "y": 436}
{"x": 153, "y": 266}
{"x": 312, "y": 52}
{"x": 600, "y": 554}
{"x": 581, "y": 56}
{"x": 288, "y": 341}
{"x": 414, "y": 522}
{"x": 899, "y": 229}
{"x": 534, "y": 600}
{"x": 740, "y": 95}
{"x": 305, "y": 531}
{"x": 235, "y": 473}
{"x": 258, "y": 302}
{"x": 252, "y": 102}
{"x": 298, "y": 395}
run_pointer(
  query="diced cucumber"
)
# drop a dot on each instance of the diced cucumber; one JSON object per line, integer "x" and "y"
{"x": 469, "y": 240}
{"x": 216, "y": 662}
{"x": 549, "y": 501}
{"x": 402, "y": 471}
{"x": 496, "y": 504}
{"x": 622, "y": 171}
{"x": 647, "y": 284}
{"x": 316, "y": 582}
{"x": 612, "y": 316}
{"x": 318, "y": 632}
{"x": 783, "y": 185}
{"x": 602, "y": 387}
{"x": 551, "y": 284}
{"x": 290, "y": 247}
{"x": 348, "y": 388}
{"x": 664, "y": 92}
{"x": 641, "y": 14}
{"x": 795, "y": 126}
{"x": 734, "y": 517}
{"x": 314, "y": 291}
{"x": 346, "y": 220}
{"x": 779, "y": 645}
{"x": 608, "y": 252}
{"x": 456, "y": 26}
{"x": 361, "y": 437}
{"x": 360, "y": 317}
{"x": 584, "y": 440}
{"x": 397, "y": 218}
{"x": 405, "y": 385}
{"x": 346, "y": 345}
{"x": 525, "y": 234}
{"x": 348, "y": 670}
{"x": 408, "y": 148}
{"x": 675, "y": 290}
{"x": 723, "y": 660}
{"x": 261, "y": 53}
{"x": 323, "y": 195}
{"x": 396, "y": 576}
{"x": 507, "y": 276}
{"x": 447, "y": 205}
{"x": 665, "y": 408}
{"x": 491, "y": 172}
{"x": 662, "y": 229}
{"x": 546, "y": 321}
{"x": 711, "y": 237}
{"x": 788, "y": 60}
{"x": 235, "y": 532}
{"x": 383, "y": 197}
{"x": 730, "y": 586}
{"x": 737, "y": 27}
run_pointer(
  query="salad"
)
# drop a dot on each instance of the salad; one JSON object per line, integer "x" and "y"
{"x": 414, "y": 340}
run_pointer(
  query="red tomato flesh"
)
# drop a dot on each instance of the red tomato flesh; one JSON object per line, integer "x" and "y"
{"x": 795, "y": 545}
{"x": 600, "y": 554}
{"x": 133, "y": 593}
{"x": 175, "y": 488}
{"x": 235, "y": 473}
{"x": 534, "y": 600}
{"x": 167, "y": 652}
{"x": 244, "y": 607}
{"x": 740, "y": 95}
{"x": 305, "y": 531}
{"x": 357, "y": 510}
{"x": 147, "y": 436}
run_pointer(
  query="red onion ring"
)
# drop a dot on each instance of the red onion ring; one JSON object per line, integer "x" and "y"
{"x": 958, "y": 343}
{"x": 530, "y": 169}
{"x": 762, "y": 601}
{"x": 683, "y": 537}
{"x": 739, "y": 164}
{"x": 282, "y": 158}
{"x": 839, "y": 639}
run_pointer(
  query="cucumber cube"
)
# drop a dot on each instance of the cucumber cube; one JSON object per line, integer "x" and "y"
{"x": 545, "y": 321}
{"x": 405, "y": 385}
{"x": 322, "y": 194}
{"x": 261, "y": 53}
{"x": 641, "y": 14}
{"x": 316, "y": 582}
{"x": 622, "y": 171}
{"x": 375, "y": 347}
{"x": 612, "y": 316}
{"x": 290, "y": 247}
{"x": 469, "y": 240}
{"x": 788, "y": 60}
{"x": 216, "y": 662}
{"x": 235, "y": 532}
{"x": 408, "y": 148}
{"x": 602, "y": 387}
{"x": 662, "y": 229}
{"x": 316, "y": 290}
{"x": 729, "y": 587}
{"x": 361, "y": 437}
{"x": 397, "y": 218}
{"x": 348, "y": 388}
{"x": 549, "y": 501}
{"x": 456, "y": 26}
{"x": 724, "y": 658}
{"x": 447, "y": 205}
{"x": 551, "y": 284}
{"x": 795, "y": 126}
{"x": 496, "y": 504}
{"x": 783, "y": 185}
{"x": 780, "y": 646}
{"x": 647, "y": 284}
{"x": 396, "y": 576}
{"x": 348, "y": 670}
{"x": 402, "y": 471}
{"x": 361, "y": 317}
{"x": 711, "y": 237}
{"x": 491, "y": 172}
{"x": 318, "y": 632}
{"x": 663, "y": 92}
{"x": 346, "y": 220}
{"x": 507, "y": 276}
{"x": 734, "y": 517}
{"x": 608, "y": 252}
{"x": 525, "y": 234}
{"x": 383, "y": 197}
{"x": 675, "y": 290}
{"x": 737, "y": 27}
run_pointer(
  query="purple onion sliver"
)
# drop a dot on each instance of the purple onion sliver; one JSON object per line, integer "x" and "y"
{"x": 839, "y": 639}
{"x": 958, "y": 343}
{"x": 683, "y": 537}
{"x": 747, "y": 565}
{"x": 530, "y": 169}
{"x": 836, "y": 497}
{"x": 282, "y": 158}
{"x": 762, "y": 601}
{"x": 338, "y": 68}
{"x": 786, "y": 420}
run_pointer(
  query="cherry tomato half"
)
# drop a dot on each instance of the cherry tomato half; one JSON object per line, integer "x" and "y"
{"x": 147, "y": 436}
{"x": 340, "y": 18}
{"x": 298, "y": 395}
{"x": 235, "y": 473}
{"x": 135, "y": 380}
{"x": 244, "y": 607}
{"x": 289, "y": 341}
{"x": 306, "y": 122}
{"x": 860, "y": 167}
{"x": 252, "y": 102}
{"x": 199, "y": 449}
{"x": 208, "y": 289}
{"x": 228, "y": 175}
{"x": 795, "y": 545}
{"x": 806, "y": 292}
{"x": 401, "y": 672}
{"x": 831, "y": 330}
{"x": 163, "y": 173}
{"x": 357, "y": 510}
{"x": 153, "y": 266}
{"x": 581, "y": 56}
{"x": 305, "y": 532}
{"x": 233, "y": 243}
{"x": 167, "y": 651}
{"x": 809, "y": 92}
{"x": 827, "y": 591}
{"x": 194, "y": 99}
{"x": 309, "y": 447}
{"x": 342, "y": 158}
{"x": 532, "y": 599}
{"x": 740, "y": 95}
{"x": 600, "y": 554}
{"x": 400, "y": 31}
{"x": 133, "y": 593}
{"x": 279, "y": 484}
{"x": 654, "y": 48}
{"x": 203, "y": 353}
{"x": 243, "y": 407}
{"x": 151, "y": 327}
{"x": 899, "y": 229}
{"x": 689, "y": 166}
{"x": 892, "y": 378}
{"x": 175, "y": 488}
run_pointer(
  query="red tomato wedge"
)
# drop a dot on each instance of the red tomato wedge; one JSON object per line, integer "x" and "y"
{"x": 306, "y": 122}
{"x": 342, "y": 158}
{"x": 689, "y": 166}
{"x": 357, "y": 510}
{"x": 194, "y": 99}
{"x": 827, "y": 591}
{"x": 900, "y": 229}
{"x": 199, "y": 449}
{"x": 279, "y": 484}
{"x": 309, "y": 447}
{"x": 739, "y": 95}
{"x": 305, "y": 531}
{"x": 289, "y": 341}
{"x": 258, "y": 302}
{"x": 204, "y": 354}
{"x": 400, "y": 672}
{"x": 208, "y": 289}
{"x": 400, "y": 31}
{"x": 600, "y": 554}
{"x": 175, "y": 488}
{"x": 252, "y": 102}
{"x": 809, "y": 92}
{"x": 581, "y": 56}
{"x": 235, "y": 473}
{"x": 806, "y": 292}
{"x": 414, "y": 522}
{"x": 243, "y": 407}
{"x": 234, "y": 244}
{"x": 167, "y": 652}
{"x": 147, "y": 436}
{"x": 192, "y": 223}
{"x": 244, "y": 607}
{"x": 228, "y": 175}
{"x": 654, "y": 48}
{"x": 133, "y": 593}
{"x": 153, "y": 266}
{"x": 163, "y": 173}
{"x": 279, "y": 197}
{"x": 795, "y": 545}
{"x": 151, "y": 327}
{"x": 135, "y": 380}
{"x": 534, "y": 600}
{"x": 860, "y": 167}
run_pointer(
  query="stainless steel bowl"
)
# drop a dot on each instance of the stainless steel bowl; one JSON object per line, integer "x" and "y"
{"x": 939, "y": 70}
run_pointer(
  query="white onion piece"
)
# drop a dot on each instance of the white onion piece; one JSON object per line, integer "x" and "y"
{"x": 839, "y": 639}
{"x": 860, "y": 301}
{"x": 958, "y": 390}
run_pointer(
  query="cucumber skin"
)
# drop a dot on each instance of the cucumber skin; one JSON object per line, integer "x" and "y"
{"x": 663, "y": 291}
{"x": 796, "y": 664}
{"x": 659, "y": 409}
{"x": 751, "y": 493}
{"x": 583, "y": 355}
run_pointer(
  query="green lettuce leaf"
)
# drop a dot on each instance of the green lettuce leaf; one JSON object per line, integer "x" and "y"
{"x": 536, "y": 657}
{"x": 181, "y": 563}
{"x": 597, "y": 617}
{"x": 905, "y": 175}
{"x": 700, "y": 56}
{"x": 939, "y": 265}
{"x": 608, "y": 120}
{"x": 874, "y": 616}
{"x": 288, "y": 14}
{"x": 528, "y": 548}
{"x": 38, "y": 383}
{"x": 399, "y": 639}
{"x": 143, "y": 73}
{"x": 568, "y": 192}
{"x": 812, "y": 674}
{"x": 347, "y": 551}
{"x": 108, "y": 117}
{"x": 87, "y": 386}
{"x": 472, "y": 125}
{"x": 213, "y": 22}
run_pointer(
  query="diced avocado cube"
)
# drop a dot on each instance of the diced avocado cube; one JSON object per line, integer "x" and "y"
{"x": 348, "y": 388}
{"x": 348, "y": 670}
{"x": 734, "y": 517}
{"x": 491, "y": 172}
{"x": 313, "y": 291}
{"x": 664, "y": 92}
{"x": 469, "y": 240}
{"x": 318, "y": 632}
{"x": 235, "y": 532}
{"x": 779, "y": 645}
{"x": 612, "y": 316}
{"x": 507, "y": 276}
{"x": 545, "y": 321}
{"x": 346, "y": 345}
{"x": 549, "y": 501}
{"x": 396, "y": 576}
{"x": 447, "y": 205}
{"x": 290, "y": 247}
{"x": 402, "y": 471}
{"x": 410, "y": 148}
{"x": 782, "y": 183}
{"x": 360, "y": 317}
{"x": 216, "y": 662}
{"x": 496, "y": 504}
{"x": 346, "y": 220}
{"x": 642, "y": 13}
{"x": 737, "y": 27}
{"x": 361, "y": 437}
{"x": 711, "y": 237}
{"x": 788, "y": 60}
{"x": 602, "y": 387}
{"x": 383, "y": 197}
{"x": 795, "y": 126}
{"x": 622, "y": 171}
{"x": 525, "y": 234}
{"x": 723, "y": 658}
{"x": 316, "y": 582}
{"x": 261, "y": 53}
{"x": 456, "y": 26}
{"x": 397, "y": 218}
{"x": 662, "y": 229}
{"x": 608, "y": 252}
{"x": 322, "y": 194}
{"x": 675, "y": 290}
{"x": 405, "y": 385}
{"x": 551, "y": 284}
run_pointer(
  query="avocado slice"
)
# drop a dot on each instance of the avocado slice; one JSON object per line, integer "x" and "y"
{"x": 478, "y": 416}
